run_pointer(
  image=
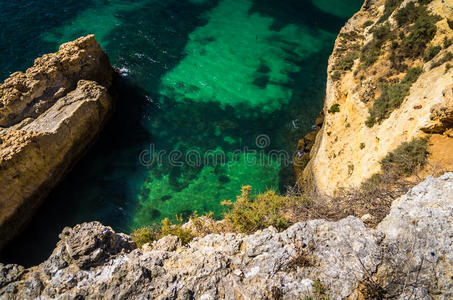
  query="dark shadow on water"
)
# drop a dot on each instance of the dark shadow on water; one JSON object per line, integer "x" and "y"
{"x": 89, "y": 192}
{"x": 302, "y": 12}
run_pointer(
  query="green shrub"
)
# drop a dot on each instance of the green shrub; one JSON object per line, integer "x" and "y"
{"x": 391, "y": 97}
{"x": 249, "y": 215}
{"x": 149, "y": 234}
{"x": 447, "y": 42}
{"x": 447, "y": 68}
{"x": 362, "y": 146}
{"x": 372, "y": 50}
{"x": 334, "y": 108}
{"x": 390, "y": 6}
{"x": 368, "y": 24}
{"x": 421, "y": 33}
{"x": 382, "y": 33}
{"x": 403, "y": 160}
{"x": 372, "y": 184}
{"x": 450, "y": 23}
{"x": 370, "y": 54}
{"x": 431, "y": 53}
{"x": 335, "y": 76}
{"x": 346, "y": 62}
{"x": 409, "y": 14}
{"x": 447, "y": 57}
{"x": 144, "y": 235}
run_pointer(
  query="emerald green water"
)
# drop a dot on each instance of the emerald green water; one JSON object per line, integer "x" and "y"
{"x": 222, "y": 89}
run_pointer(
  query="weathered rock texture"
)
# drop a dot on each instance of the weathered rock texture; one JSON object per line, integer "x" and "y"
{"x": 409, "y": 255}
{"x": 48, "y": 117}
{"x": 346, "y": 151}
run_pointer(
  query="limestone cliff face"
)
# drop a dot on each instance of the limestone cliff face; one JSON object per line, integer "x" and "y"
{"x": 347, "y": 151}
{"x": 408, "y": 256}
{"x": 48, "y": 117}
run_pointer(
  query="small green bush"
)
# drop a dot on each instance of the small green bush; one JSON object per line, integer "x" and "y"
{"x": 391, "y": 97}
{"x": 334, "y": 108}
{"x": 346, "y": 62}
{"x": 447, "y": 42}
{"x": 403, "y": 160}
{"x": 447, "y": 57}
{"x": 362, "y": 146}
{"x": 149, "y": 234}
{"x": 421, "y": 33}
{"x": 390, "y": 6}
{"x": 144, "y": 235}
{"x": 450, "y": 23}
{"x": 249, "y": 215}
{"x": 370, "y": 54}
{"x": 372, "y": 50}
{"x": 409, "y": 14}
{"x": 431, "y": 53}
{"x": 335, "y": 76}
{"x": 400, "y": 163}
{"x": 368, "y": 24}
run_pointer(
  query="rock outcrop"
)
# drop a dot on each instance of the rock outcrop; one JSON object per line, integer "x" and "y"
{"x": 48, "y": 117}
{"x": 409, "y": 255}
{"x": 347, "y": 151}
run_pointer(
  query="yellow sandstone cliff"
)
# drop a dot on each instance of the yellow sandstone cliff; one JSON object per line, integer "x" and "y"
{"x": 387, "y": 47}
{"x": 48, "y": 117}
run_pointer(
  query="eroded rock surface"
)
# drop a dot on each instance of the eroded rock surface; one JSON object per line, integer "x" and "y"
{"x": 347, "y": 151}
{"x": 408, "y": 255}
{"x": 48, "y": 117}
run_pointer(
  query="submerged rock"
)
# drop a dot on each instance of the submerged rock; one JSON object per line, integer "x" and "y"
{"x": 48, "y": 117}
{"x": 408, "y": 254}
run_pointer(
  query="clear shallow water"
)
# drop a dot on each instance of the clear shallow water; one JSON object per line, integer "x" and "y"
{"x": 200, "y": 77}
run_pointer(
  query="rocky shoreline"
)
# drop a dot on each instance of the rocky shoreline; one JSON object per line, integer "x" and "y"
{"x": 49, "y": 116}
{"x": 407, "y": 256}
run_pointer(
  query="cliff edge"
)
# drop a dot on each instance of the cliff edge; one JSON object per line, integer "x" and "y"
{"x": 407, "y": 256}
{"x": 390, "y": 81}
{"x": 49, "y": 115}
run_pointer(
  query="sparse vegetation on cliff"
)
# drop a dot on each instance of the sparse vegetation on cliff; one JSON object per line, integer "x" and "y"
{"x": 446, "y": 57}
{"x": 149, "y": 234}
{"x": 401, "y": 162}
{"x": 334, "y": 108}
{"x": 346, "y": 62}
{"x": 390, "y": 6}
{"x": 248, "y": 215}
{"x": 431, "y": 53}
{"x": 372, "y": 50}
{"x": 404, "y": 160}
{"x": 392, "y": 95}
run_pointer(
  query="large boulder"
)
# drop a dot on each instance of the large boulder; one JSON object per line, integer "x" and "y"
{"x": 49, "y": 115}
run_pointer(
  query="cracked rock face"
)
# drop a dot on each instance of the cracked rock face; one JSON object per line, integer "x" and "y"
{"x": 48, "y": 117}
{"x": 408, "y": 255}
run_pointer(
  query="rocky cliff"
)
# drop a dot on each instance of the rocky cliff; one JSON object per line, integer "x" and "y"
{"x": 408, "y": 256}
{"x": 49, "y": 115}
{"x": 390, "y": 80}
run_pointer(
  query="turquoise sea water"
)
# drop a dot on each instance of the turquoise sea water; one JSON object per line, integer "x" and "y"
{"x": 211, "y": 90}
